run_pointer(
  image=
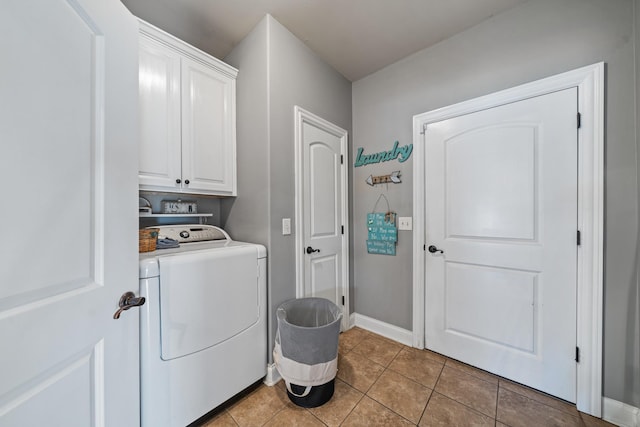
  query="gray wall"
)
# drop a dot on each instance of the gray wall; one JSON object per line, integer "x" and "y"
{"x": 246, "y": 217}
{"x": 277, "y": 72}
{"x": 536, "y": 40}
{"x": 297, "y": 77}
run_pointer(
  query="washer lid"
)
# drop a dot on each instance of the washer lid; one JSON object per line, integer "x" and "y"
{"x": 188, "y": 233}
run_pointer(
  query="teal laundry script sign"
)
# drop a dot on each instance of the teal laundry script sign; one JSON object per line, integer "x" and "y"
{"x": 382, "y": 233}
{"x": 397, "y": 152}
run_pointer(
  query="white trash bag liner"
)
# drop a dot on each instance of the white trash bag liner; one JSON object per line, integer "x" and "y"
{"x": 306, "y": 347}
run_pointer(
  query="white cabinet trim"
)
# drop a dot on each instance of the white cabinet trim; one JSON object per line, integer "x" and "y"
{"x": 185, "y": 49}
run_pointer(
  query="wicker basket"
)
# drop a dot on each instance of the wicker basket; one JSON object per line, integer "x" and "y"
{"x": 147, "y": 238}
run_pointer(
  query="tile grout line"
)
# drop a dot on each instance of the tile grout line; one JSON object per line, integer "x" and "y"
{"x": 537, "y": 394}
{"x": 354, "y": 406}
{"x": 495, "y": 418}
{"x": 349, "y": 385}
{"x": 232, "y": 418}
{"x": 365, "y": 394}
{"x": 382, "y": 373}
{"x": 549, "y": 407}
{"x": 433, "y": 390}
{"x": 225, "y": 411}
{"x": 274, "y": 415}
{"x": 391, "y": 409}
{"x": 477, "y": 411}
{"x": 314, "y": 415}
{"x": 424, "y": 411}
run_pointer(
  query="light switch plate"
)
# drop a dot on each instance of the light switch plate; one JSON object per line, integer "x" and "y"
{"x": 286, "y": 226}
{"x": 405, "y": 223}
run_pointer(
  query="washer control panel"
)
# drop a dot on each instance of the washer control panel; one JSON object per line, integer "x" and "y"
{"x": 189, "y": 233}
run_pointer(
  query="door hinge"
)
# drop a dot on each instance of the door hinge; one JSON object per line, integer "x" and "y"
{"x": 424, "y": 129}
{"x": 579, "y": 120}
{"x": 577, "y": 354}
{"x": 578, "y": 238}
{"x": 341, "y": 159}
{"x": 342, "y": 299}
{"x": 343, "y": 229}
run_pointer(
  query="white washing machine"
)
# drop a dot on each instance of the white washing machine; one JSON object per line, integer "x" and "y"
{"x": 203, "y": 330}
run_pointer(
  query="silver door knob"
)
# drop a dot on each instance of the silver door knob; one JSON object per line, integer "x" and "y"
{"x": 128, "y": 300}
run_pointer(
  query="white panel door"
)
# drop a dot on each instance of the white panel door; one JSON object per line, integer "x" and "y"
{"x": 501, "y": 215}
{"x": 322, "y": 206}
{"x": 208, "y": 129}
{"x": 68, "y": 120}
{"x": 160, "y": 162}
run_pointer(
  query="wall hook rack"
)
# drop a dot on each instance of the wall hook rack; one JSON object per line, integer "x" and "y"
{"x": 393, "y": 177}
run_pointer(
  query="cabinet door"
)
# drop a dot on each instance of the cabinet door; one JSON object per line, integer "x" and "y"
{"x": 208, "y": 129}
{"x": 159, "y": 103}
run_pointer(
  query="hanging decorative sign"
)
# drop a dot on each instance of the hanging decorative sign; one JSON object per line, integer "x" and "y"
{"x": 381, "y": 248}
{"x": 382, "y": 226}
{"x": 401, "y": 153}
{"x": 393, "y": 177}
{"x": 382, "y": 233}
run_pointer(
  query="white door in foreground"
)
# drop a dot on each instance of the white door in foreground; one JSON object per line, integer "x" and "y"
{"x": 68, "y": 157}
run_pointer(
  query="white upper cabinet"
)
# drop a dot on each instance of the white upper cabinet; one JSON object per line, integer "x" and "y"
{"x": 160, "y": 117}
{"x": 187, "y": 118}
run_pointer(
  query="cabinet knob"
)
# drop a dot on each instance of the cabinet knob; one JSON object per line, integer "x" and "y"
{"x": 186, "y": 181}
{"x": 178, "y": 181}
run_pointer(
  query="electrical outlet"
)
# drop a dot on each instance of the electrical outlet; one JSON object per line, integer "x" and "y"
{"x": 405, "y": 223}
{"x": 286, "y": 226}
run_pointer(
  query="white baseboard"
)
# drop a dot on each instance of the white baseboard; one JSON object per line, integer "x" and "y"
{"x": 273, "y": 376}
{"x": 619, "y": 413}
{"x": 392, "y": 332}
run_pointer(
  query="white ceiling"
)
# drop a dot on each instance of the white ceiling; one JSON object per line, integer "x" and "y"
{"x": 356, "y": 37}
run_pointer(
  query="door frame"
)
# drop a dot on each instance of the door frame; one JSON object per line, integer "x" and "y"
{"x": 590, "y": 83}
{"x": 302, "y": 116}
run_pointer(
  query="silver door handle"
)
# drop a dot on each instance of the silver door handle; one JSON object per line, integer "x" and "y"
{"x": 128, "y": 300}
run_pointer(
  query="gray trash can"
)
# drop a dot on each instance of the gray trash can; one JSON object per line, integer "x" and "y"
{"x": 306, "y": 349}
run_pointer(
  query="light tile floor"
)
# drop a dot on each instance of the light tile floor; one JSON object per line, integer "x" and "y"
{"x": 383, "y": 383}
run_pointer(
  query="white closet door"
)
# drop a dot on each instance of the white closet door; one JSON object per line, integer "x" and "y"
{"x": 501, "y": 203}
{"x": 322, "y": 207}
